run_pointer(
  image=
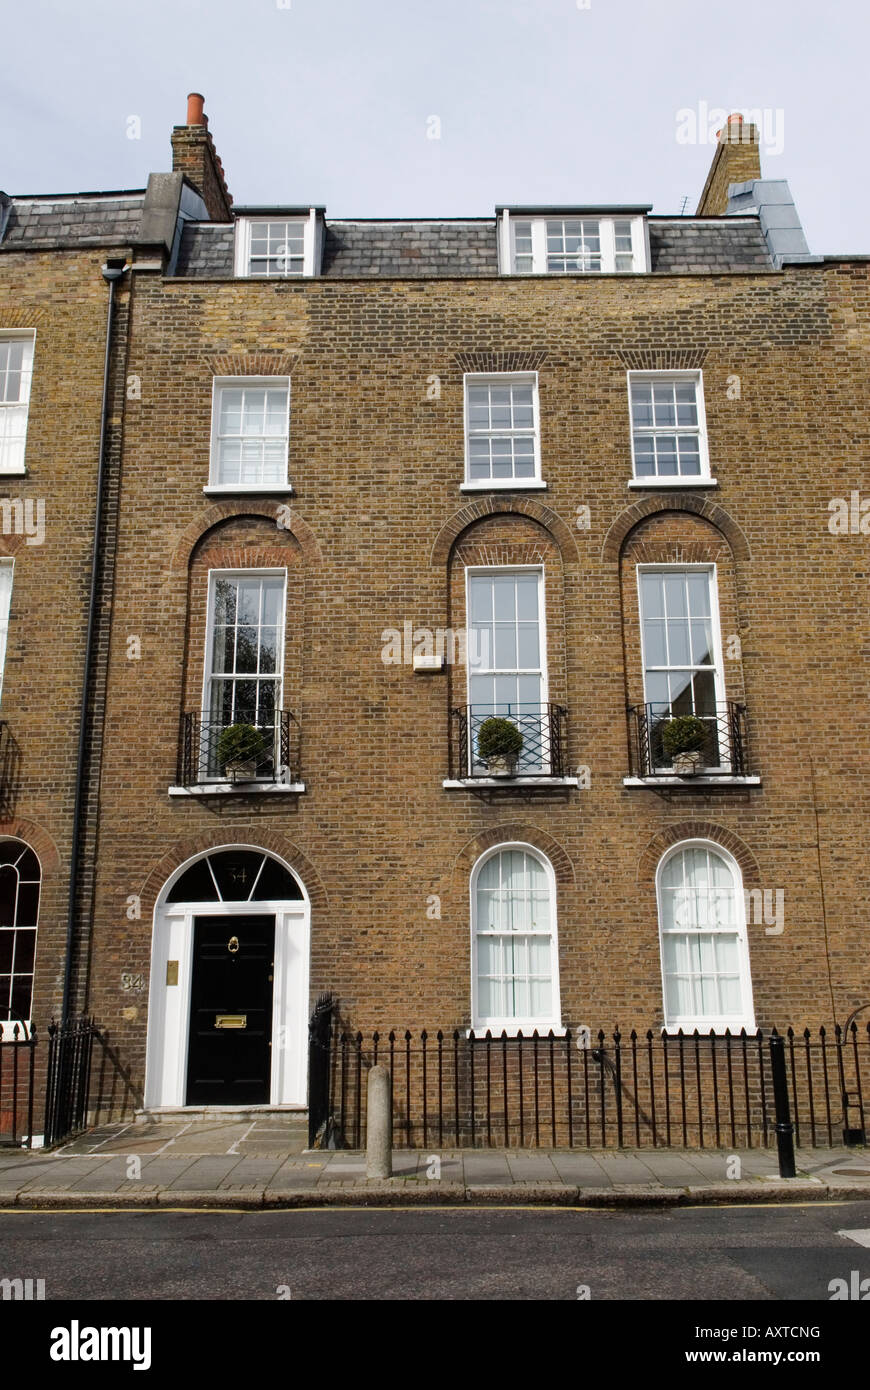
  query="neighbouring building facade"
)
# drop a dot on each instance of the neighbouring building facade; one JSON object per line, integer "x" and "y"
{"x": 480, "y": 622}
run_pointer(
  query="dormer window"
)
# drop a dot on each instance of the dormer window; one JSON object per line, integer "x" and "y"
{"x": 571, "y": 245}
{"x": 277, "y": 247}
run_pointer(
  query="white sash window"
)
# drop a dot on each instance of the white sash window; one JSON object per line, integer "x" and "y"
{"x": 515, "y": 959}
{"x": 16, "y": 370}
{"x": 705, "y": 956}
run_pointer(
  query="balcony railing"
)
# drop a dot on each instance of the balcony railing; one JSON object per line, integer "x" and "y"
{"x": 202, "y": 759}
{"x": 723, "y": 754}
{"x": 543, "y": 753}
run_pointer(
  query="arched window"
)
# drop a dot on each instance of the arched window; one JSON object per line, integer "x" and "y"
{"x": 20, "y": 879}
{"x": 705, "y": 954}
{"x": 515, "y": 982}
{"x": 235, "y": 876}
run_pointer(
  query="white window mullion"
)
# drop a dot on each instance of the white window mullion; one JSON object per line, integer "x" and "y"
{"x": 539, "y": 246}
{"x": 608, "y": 245}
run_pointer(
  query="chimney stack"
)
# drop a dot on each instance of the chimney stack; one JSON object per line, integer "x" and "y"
{"x": 194, "y": 155}
{"x": 736, "y": 160}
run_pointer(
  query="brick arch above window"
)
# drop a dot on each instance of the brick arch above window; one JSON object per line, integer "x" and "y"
{"x": 670, "y": 359}
{"x": 253, "y": 363}
{"x": 265, "y": 840}
{"x": 511, "y": 360}
{"x": 516, "y": 833}
{"x": 36, "y": 838}
{"x": 212, "y": 517}
{"x": 31, "y": 317}
{"x": 696, "y": 830}
{"x": 503, "y": 505}
{"x": 627, "y": 520}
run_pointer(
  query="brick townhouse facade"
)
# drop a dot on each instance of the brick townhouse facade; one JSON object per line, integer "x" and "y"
{"x": 371, "y": 485}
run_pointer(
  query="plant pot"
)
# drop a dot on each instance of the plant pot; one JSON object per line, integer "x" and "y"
{"x": 502, "y": 765}
{"x": 245, "y": 771}
{"x": 687, "y": 764}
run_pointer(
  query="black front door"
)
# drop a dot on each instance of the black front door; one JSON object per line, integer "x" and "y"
{"x": 229, "y": 1048}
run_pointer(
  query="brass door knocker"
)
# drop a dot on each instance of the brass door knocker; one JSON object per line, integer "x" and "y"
{"x": 233, "y": 945}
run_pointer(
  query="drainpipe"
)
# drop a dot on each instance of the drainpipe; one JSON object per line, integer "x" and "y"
{"x": 111, "y": 272}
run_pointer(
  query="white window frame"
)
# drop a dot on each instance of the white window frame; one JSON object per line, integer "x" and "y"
{"x": 719, "y": 665}
{"x": 679, "y": 481}
{"x": 502, "y": 484}
{"x": 470, "y": 572}
{"x": 215, "y": 488}
{"x": 6, "y": 566}
{"x": 705, "y": 1023}
{"x": 28, "y": 336}
{"x": 25, "y": 1025}
{"x": 607, "y": 235}
{"x": 512, "y": 1026}
{"x": 208, "y": 673}
{"x": 309, "y": 246}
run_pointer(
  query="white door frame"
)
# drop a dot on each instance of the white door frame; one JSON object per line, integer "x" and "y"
{"x": 169, "y": 1004}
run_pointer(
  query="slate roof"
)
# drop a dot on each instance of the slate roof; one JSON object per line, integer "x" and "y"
{"x": 206, "y": 249}
{"x": 80, "y": 220}
{"x": 411, "y": 248}
{"x": 377, "y": 248}
{"x": 723, "y": 244}
{"x": 468, "y": 248}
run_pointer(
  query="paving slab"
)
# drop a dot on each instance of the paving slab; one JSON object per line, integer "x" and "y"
{"x": 532, "y": 1168}
{"x": 580, "y": 1168}
{"x": 482, "y": 1168}
{"x": 206, "y": 1174}
{"x": 63, "y": 1173}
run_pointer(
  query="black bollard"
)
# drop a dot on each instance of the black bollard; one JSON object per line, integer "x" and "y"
{"x": 784, "y": 1126}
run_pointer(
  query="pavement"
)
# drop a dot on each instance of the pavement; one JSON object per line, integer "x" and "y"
{"x": 261, "y": 1162}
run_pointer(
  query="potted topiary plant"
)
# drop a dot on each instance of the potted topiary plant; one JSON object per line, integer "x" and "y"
{"x": 240, "y": 750}
{"x": 683, "y": 737}
{"x": 499, "y": 744}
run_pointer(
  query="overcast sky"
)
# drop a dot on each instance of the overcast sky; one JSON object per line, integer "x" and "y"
{"x": 332, "y": 101}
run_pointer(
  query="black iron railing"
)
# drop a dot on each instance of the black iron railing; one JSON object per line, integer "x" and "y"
{"x": 723, "y": 753}
{"x": 68, "y": 1082}
{"x": 585, "y": 1090}
{"x": 202, "y": 758}
{"x": 17, "y": 1061}
{"x": 543, "y": 753}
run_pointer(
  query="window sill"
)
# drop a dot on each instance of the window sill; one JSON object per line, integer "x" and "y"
{"x": 248, "y": 490}
{"x": 469, "y": 783}
{"x": 672, "y": 484}
{"x": 13, "y": 472}
{"x": 512, "y": 1028}
{"x": 240, "y": 789}
{"x": 687, "y": 783}
{"x": 505, "y": 485}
